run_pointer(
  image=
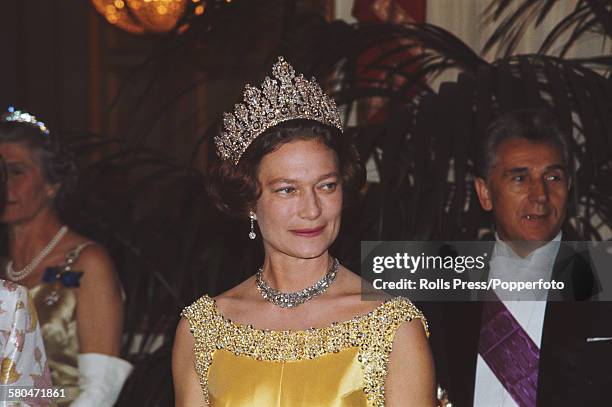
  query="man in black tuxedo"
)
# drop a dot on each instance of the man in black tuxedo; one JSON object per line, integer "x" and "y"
{"x": 527, "y": 353}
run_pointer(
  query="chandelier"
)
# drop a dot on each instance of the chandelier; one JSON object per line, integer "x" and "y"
{"x": 145, "y": 16}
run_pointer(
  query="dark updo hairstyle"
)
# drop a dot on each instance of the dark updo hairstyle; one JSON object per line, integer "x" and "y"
{"x": 57, "y": 164}
{"x": 235, "y": 188}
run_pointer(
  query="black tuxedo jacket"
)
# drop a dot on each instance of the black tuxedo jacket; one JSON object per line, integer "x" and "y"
{"x": 573, "y": 371}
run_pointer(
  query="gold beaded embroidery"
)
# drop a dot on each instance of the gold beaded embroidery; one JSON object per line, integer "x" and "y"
{"x": 372, "y": 334}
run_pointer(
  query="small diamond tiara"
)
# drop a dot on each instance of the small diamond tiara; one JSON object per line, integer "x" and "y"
{"x": 281, "y": 98}
{"x": 20, "y": 116}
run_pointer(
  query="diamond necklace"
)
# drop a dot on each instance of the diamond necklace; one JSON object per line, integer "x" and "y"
{"x": 291, "y": 300}
{"x": 18, "y": 275}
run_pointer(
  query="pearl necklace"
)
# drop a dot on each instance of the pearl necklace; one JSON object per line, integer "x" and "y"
{"x": 291, "y": 300}
{"x": 18, "y": 275}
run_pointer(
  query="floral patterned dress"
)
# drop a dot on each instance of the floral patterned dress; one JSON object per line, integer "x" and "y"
{"x": 23, "y": 360}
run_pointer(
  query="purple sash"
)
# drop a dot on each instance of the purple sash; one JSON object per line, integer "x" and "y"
{"x": 510, "y": 353}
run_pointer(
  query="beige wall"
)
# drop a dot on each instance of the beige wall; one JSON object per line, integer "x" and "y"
{"x": 464, "y": 19}
{"x": 343, "y": 10}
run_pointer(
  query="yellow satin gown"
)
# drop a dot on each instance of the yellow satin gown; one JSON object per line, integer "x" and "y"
{"x": 342, "y": 365}
{"x": 56, "y": 306}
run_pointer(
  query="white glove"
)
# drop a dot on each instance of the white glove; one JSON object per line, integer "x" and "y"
{"x": 101, "y": 378}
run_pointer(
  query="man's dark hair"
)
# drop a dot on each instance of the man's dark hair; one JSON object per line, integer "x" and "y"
{"x": 536, "y": 125}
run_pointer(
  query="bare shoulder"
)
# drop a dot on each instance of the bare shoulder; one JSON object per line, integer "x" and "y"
{"x": 411, "y": 376}
{"x": 182, "y": 348}
{"x": 90, "y": 253}
{"x": 98, "y": 269}
{"x": 352, "y": 282}
{"x": 73, "y": 239}
{"x": 95, "y": 254}
{"x": 360, "y": 297}
{"x": 94, "y": 259}
{"x": 238, "y": 291}
{"x": 358, "y": 293}
{"x": 233, "y": 301}
{"x": 183, "y": 335}
{"x": 186, "y": 383}
{"x": 411, "y": 334}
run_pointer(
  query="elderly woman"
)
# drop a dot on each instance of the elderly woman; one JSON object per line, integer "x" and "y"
{"x": 71, "y": 279}
{"x": 298, "y": 332}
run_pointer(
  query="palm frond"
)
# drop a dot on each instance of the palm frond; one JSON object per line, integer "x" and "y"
{"x": 428, "y": 177}
{"x": 512, "y": 18}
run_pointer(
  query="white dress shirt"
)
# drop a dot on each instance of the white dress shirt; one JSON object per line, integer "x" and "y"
{"x": 508, "y": 266}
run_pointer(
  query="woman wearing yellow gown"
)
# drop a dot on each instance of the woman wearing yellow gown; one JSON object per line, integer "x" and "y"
{"x": 298, "y": 333}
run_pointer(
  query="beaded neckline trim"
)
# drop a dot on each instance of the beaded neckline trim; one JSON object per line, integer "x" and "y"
{"x": 289, "y": 331}
{"x": 372, "y": 334}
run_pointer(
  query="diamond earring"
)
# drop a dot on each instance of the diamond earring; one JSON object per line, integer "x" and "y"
{"x": 253, "y": 217}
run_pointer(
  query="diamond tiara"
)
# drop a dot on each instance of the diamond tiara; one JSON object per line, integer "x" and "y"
{"x": 20, "y": 116}
{"x": 281, "y": 98}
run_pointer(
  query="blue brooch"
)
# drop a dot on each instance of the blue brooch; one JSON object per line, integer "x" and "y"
{"x": 60, "y": 274}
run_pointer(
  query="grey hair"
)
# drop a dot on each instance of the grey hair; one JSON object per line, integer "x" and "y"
{"x": 57, "y": 163}
{"x": 536, "y": 125}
